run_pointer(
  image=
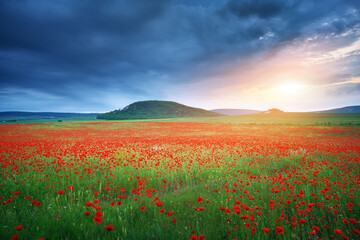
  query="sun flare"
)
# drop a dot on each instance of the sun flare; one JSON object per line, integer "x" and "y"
{"x": 291, "y": 87}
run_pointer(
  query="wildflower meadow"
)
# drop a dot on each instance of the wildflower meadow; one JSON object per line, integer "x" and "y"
{"x": 178, "y": 180}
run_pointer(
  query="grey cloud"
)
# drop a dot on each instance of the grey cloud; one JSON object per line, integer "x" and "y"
{"x": 124, "y": 47}
{"x": 260, "y": 8}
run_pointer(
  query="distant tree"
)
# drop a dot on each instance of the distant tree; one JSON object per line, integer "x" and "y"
{"x": 274, "y": 110}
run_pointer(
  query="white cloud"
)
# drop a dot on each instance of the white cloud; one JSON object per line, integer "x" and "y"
{"x": 340, "y": 53}
{"x": 350, "y": 81}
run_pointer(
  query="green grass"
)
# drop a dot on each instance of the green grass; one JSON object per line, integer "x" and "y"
{"x": 290, "y": 119}
{"x": 55, "y": 120}
{"x": 47, "y": 159}
{"x": 129, "y": 220}
{"x": 319, "y": 119}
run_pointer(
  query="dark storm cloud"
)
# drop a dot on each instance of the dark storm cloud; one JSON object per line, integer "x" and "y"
{"x": 77, "y": 35}
{"x": 72, "y": 49}
{"x": 56, "y": 46}
{"x": 292, "y": 18}
{"x": 260, "y": 8}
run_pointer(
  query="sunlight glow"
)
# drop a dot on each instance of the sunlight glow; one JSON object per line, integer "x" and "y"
{"x": 291, "y": 87}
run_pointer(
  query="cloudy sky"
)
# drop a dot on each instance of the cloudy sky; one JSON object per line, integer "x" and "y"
{"x": 96, "y": 56}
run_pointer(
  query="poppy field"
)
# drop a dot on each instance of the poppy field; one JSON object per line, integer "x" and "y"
{"x": 179, "y": 180}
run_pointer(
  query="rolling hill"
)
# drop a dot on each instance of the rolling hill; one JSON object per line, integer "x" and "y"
{"x": 156, "y": 110}
{"x": 348, "y": 109}
{"x": 18, "y": 115}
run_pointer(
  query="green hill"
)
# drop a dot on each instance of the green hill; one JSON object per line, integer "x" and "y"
{"x": 20, "y": 115}
{"x": 348, "y": 109}
{"x": 156, "y": 110}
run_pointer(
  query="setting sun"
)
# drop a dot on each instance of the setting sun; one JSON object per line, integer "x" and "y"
{"x": 291, "y": 87}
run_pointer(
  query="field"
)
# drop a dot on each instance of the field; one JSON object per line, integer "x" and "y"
{"x": 181, "y": 180}
{"x": 318, "y": 119}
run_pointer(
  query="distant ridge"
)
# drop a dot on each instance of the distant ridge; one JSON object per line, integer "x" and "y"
{"x": 348, "y": 109}
{"x": 156, "y": 110}
{"x": 234, "y": 112}
{"x": 150, "y": 109}
{"x": 20, "y": 115}
{"x": 272, "y": 111}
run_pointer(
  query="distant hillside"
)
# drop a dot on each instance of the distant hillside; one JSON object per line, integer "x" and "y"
{"x": 16, "y": 115}
{"x": 156, "y": 110}
{"x": 234, "y": 112}
{"x": 273, "y": 110}
{"x": 349, "y": 109}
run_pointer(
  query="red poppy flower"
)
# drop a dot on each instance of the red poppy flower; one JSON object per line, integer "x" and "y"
{"x": 109, "y": 227}
{"x": 99, "y": 214}
{"x": 202, "y": 237}
{"x": 159, "y": 204}
{"x": 19, "y": 227}
{"x": 61, "y": 192}
{"x": 353, "y": 221}
{"x": 279, "y": 230}
{"x": 302, "y": 220}
{"x": 315, "y": 228}
{"x": 142, "y": 208}
{"x": 97, "y": 220}
{"x": 193, "y": 237}
{"x": 266, "y": 230}
{"x": 87, "y": 213}
{"x": 15, "y": 237}
{"x": 338, "y": 231}
{"x": 200, "y": 199}
{"x": 16, "y": 193}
